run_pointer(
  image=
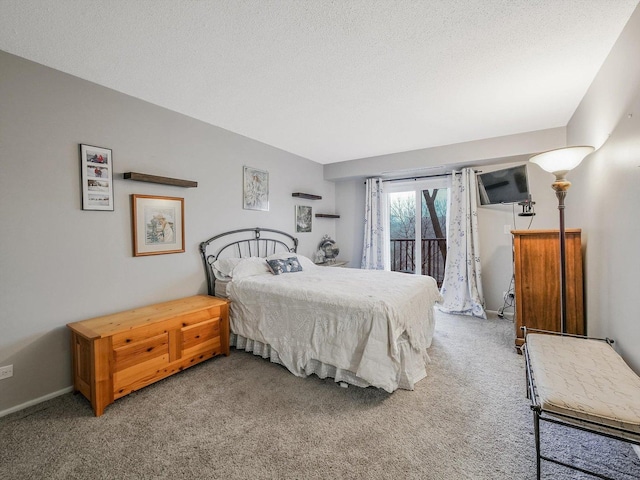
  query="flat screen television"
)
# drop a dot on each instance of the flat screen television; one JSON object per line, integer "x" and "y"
{"x": 510, "y": 185}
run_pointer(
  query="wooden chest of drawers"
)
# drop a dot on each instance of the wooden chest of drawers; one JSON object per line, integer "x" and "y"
{"x": 117, "y": 354}
{"x": 537, "y": 281}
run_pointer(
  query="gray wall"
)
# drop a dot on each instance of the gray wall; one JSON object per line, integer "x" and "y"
{"x": 60, "y": 264}
{"x": 605, "y": 194}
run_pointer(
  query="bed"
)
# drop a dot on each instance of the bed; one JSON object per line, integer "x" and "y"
{"x": 359, "y": 327}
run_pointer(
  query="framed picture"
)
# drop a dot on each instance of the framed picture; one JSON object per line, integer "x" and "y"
{"x": 255, "y": 189}
{"x": 303, "y": 218}
{"x": 158, "y": 225}
{"x": 96, "y": 166}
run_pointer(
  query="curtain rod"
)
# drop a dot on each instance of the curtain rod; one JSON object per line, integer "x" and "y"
{"x": 424, "y": 176}
{"x": 417, "y": 178}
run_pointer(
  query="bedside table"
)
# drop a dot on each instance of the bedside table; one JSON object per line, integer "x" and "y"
{"x": 334, "y": 263}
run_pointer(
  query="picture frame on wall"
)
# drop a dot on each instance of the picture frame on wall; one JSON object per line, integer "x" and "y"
{"x": 96, "y": 167}
{"x": 255, "y": 189}
{"x": 158, "y": 225}
{"x": 303, "y": 218}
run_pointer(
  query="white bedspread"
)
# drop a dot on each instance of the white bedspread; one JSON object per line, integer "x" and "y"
{"x": 349, "y": 318}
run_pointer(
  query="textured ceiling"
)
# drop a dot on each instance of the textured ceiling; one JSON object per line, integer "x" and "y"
{"x": 333, "y": 80}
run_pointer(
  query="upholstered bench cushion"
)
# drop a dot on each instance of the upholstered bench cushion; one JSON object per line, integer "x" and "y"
{"x": 585, "y": 379}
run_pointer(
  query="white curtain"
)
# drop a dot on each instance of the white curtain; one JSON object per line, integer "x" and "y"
{"x": 373, "y": 247}
{"x": 462, "y": 284}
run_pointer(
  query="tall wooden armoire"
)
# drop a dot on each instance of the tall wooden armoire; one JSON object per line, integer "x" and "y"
{"x": 537, "y": 281}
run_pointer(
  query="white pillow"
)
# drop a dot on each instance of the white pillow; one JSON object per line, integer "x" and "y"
{"x": 304, "y": 261}
{"x": 222, "y": 267}
{"x": 249, "y": 267}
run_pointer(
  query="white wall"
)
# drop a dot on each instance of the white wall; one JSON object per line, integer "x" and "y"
{"x": 496, "y": 255}
{"x": 487, "y": 155}
{"x": 60, "y": 264}
{"x": 479, "y": 152}
{"x": 349, "y": 228}
{"x": 605, "y": 193}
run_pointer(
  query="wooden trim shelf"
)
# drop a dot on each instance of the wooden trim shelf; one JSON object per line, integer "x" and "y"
{"x": 327, "y": 215}
{"x": 143, "y": 177}
{"x": 308, "y": 196}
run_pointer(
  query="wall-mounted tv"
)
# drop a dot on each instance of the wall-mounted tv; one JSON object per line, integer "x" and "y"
{"x": 510, "y": 185}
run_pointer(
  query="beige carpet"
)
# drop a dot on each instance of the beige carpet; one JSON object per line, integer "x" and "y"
{"x": 243, "y": 417}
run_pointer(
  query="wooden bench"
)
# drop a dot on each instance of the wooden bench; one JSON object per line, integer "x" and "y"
{"x": 582, "y": 383}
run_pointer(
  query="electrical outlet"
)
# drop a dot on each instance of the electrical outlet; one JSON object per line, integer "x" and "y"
{"x": 6, "y": 372}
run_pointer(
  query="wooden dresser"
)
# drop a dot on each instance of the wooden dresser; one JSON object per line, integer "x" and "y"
{"x": 537, "y": 281}
{"x": 117, "y": 354}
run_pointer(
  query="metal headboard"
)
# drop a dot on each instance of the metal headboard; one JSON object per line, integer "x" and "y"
{"x": 256, "y": 245}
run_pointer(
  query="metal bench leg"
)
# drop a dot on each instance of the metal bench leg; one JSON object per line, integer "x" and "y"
{"x": 536, "y": 430}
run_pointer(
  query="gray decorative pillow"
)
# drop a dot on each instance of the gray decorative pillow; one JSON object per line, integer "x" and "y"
{"x": 284, "y": 265}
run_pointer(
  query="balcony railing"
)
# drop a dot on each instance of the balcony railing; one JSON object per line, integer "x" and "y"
{"x": 434, "y": 256}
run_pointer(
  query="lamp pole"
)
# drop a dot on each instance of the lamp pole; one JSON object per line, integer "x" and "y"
{"x": 561, "y": 186}
{"x": 559, "y": 162}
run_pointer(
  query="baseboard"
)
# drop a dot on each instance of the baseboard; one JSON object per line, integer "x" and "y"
{"x": 35, "y": 401}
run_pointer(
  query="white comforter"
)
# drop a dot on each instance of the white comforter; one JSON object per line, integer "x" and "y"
{"x": 349, "y": 318}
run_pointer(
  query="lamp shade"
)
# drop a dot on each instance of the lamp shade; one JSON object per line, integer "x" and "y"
{"x": 562, "y": 160}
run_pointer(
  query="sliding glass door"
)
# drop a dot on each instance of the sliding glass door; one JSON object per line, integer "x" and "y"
{"x": 417, "y": 214}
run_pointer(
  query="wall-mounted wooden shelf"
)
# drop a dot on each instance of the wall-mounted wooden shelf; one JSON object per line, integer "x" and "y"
{"x": 308, "y": 196}
{"x": 143, "y": 177}
{"x": 327, "y": 215}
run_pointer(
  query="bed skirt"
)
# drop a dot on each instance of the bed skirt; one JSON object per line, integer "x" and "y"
{"x": 413, "y": 363}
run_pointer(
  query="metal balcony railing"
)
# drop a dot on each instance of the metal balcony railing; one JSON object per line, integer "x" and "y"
{"x": 434, "y": 256}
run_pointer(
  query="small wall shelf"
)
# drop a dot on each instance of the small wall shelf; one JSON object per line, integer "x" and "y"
{"x": 143, "y": 177}
{"x": 327, "y": 215}
{"x": 308, "y": 196}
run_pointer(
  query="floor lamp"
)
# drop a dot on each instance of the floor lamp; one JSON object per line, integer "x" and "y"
{"x": 559, "y": 162}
